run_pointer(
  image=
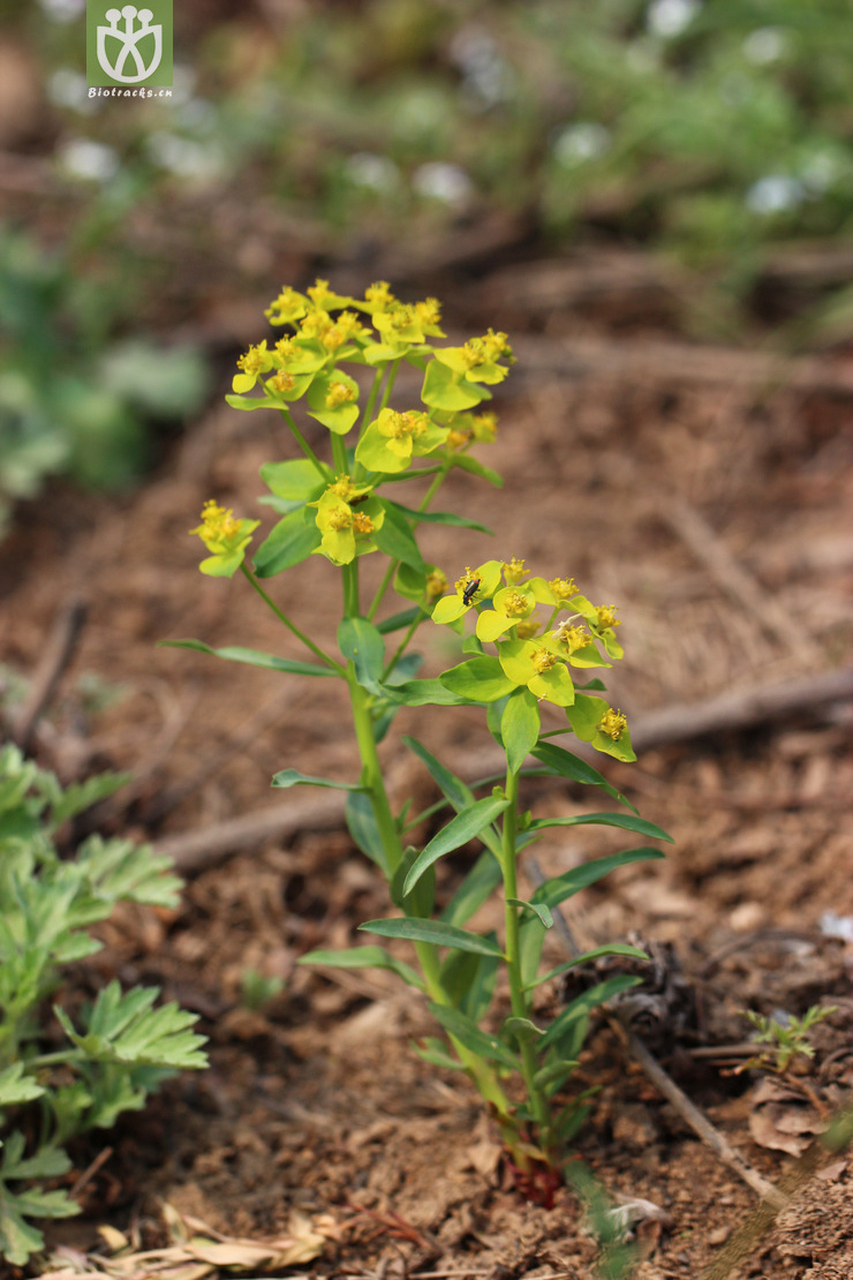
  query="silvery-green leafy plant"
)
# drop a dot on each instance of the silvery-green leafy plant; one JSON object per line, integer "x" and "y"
{"x": 62, "y": 1075}
{"x": 534, "y": 637}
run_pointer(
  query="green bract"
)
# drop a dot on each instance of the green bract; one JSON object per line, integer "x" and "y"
{"x": 530, "y": 635}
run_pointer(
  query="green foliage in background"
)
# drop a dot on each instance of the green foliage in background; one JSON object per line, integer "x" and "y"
{"x": 61, "y": 1075}
{"x": 708, "y": 128}
{"x": 73, "y": 398}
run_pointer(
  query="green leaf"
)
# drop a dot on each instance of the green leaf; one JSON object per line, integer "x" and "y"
{"x": 443, "y": 389}
{"x": 364, "y": 958}
{"x": 440, "y": 517}
{"x": 556, "y": 890}
{"x": 571, "y": 766}
{"x": 584, "y": 1003}
{"x": 288, "y": 543}
{"x": 610, "y": 949}
{"x": 479, "y": 884}
{"x": 555, "y": 1072}
{"x": 15, "y": 1087}
{"x": 469, "y": 980}
{"x": 459, "y": 830}
{"x": 293, "y": 778}
{"x": 419, "y": 901}
{"x": 466, "y": 463}
{"x": 434, "y": 931}
{"x": 531, "y": 939}
{"x": 434, "y": 1052}
{"x": 360, "y": 641}
{"x": 478, "y": 679}
{"x": 452, "y": 788}
{"x": 248, "y": 402}
{"x": 82, "y": 795}
{"x": 361, "y": 824}
{"x": 538, "y": 908}
{"x": 253, "y": 657}
{"x": 627, "y": 821}
{"x": 522, "y": 1029}
{"x": 124, "y": 1029}
{"x": 400, "y": 620}
{"x": 427, "y": 693}
{"x": 19, "y": 1240}
{"x": 520, "y": 726}
{"x": 466, "y": 1031}
{"x": 295, "y": 480}
{"x": 395, "y": 537}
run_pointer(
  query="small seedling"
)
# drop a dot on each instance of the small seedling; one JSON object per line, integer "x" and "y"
{"x": 73, "y": 1080}
{"x": 337, "y": 505}
{"x": 785, "y": 1037}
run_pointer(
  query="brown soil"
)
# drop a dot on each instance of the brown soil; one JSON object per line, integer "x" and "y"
{"x": 318, "y": 1103}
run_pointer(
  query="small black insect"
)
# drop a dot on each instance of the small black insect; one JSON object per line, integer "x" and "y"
{"x": 470, "y": 591}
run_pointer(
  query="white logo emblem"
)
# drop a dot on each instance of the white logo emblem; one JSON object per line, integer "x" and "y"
{"x": 123, "y": 42}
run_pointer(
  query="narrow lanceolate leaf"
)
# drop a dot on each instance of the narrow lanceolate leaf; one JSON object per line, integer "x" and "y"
{"x": 293, "y": 778}
{"x": 554, "y": 891}
{"x": 459, "y": 830}
{"x": 611, "y": 949}
{"x": 578, "y": 1008}
{"x": 571, "y": 766}
{"x": 395, "y": 538}
{"x": 362, "y": 826}
{"x": 539, "y": 909}
{"x": 364, "y": 958}
{"x": 253, "y": 657}
{"x": 627, "y": 821}
{"x": 452, "y": 788}
{"x": 439, "y": 517}
{"x": 434, "y": 931}
{"x": 479, "y": 884}
{"x": 555, "y": 1072}
{"x": 472, "y": 1037}
{"x": 361, "y": 642}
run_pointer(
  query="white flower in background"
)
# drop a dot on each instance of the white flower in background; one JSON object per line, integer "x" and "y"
{"x": 439, "y": 180}
{"x": 820, "y": 172}
{"x": 487, "y": 77}
{"x": 668, "y": 18}
{"x": 776, "y": 193}
{"x": 377, "y": 173}
{"x": 184, "y": 157}
{"x": 586, "y": 140}
{"x": 67, "y": 88}
{"x": 764, "y": 45}
{"x": 84, "y": 158}
{"x": 63, "y": 10}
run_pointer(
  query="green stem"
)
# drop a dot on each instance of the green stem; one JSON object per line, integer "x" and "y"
{"x": 367, "y": 416}
{"x": 389, "y": 385}
{"x": 518, "y": 997}
{"x": 282, "y": 617}
{"x": 305, "y": 446}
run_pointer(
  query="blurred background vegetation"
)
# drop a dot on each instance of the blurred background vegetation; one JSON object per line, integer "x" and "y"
{"x": 376, "y": 138}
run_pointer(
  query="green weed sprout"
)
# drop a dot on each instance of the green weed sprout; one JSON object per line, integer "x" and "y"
{"x": 338, "y": 507}
{"x": 74, "y": 1080}
{"x": 785, "y": 1037}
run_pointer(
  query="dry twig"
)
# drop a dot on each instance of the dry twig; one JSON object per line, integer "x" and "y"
{"x": 56, "y": 656}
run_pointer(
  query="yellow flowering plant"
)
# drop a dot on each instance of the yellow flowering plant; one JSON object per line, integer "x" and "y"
{"x": 531, "y": 640}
